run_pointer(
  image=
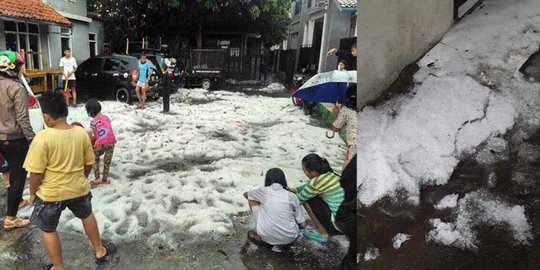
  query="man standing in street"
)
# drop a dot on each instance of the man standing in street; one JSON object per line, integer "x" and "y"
{"x": 69, "y": 66}
{"x": 142, "y": 82}
{"x": 165, "y": 90}
{"x": 15, "y": 134}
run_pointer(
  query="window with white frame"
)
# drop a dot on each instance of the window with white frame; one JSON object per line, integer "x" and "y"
{"x": 24, "y": 36}
{"x": 92, "y": 43}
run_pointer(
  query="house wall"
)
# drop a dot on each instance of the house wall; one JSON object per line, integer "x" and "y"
{"x": 75, "y": 7}
{"x": 393, "y": 34}
{"x": 76, "y": 12}
{"x": 50, "y": 37}
{"x": 97, "y": 28}
{"x": 338, "y": 28}
{"x": 79, "y": 41}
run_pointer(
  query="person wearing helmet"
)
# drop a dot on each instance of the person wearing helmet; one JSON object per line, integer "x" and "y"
{"x": 15, "y": 134}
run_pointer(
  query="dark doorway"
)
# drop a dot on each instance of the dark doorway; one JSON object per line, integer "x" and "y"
{"x": 64, "y": 43}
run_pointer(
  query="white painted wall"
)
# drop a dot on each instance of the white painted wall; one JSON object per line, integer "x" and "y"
{"x": 338, "y": 29}
{"x": 393, "y": 34}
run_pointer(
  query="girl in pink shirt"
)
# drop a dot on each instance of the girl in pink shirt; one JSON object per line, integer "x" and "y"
{"x": 103, "y": 139}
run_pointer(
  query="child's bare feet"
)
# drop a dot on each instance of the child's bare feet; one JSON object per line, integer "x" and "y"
{"x": 106, "y": 255}
{"x": 96, "y": 182}
{"x": 24, "y": 203}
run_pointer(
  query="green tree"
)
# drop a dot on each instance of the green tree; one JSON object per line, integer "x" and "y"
{"x": 188, "y": 19}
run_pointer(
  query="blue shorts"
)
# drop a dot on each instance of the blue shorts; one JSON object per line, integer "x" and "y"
{"x": 47, "y": 214}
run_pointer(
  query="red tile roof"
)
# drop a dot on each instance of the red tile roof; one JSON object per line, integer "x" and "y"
{"x": 32, "y": 10}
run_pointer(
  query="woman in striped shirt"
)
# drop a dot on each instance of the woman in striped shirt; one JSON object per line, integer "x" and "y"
{"x": 321, "y": 196}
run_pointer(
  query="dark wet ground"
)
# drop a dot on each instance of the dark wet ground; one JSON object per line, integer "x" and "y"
{"x": 22, "y": 249}
{"x": 518, "y": 182}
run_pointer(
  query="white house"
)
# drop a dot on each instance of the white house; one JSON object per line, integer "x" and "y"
{"x": 321, "y": 25}
{"x": 44, "y": 28}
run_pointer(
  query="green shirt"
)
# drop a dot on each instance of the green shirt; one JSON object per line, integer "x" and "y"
{"x": 327, "y": 186}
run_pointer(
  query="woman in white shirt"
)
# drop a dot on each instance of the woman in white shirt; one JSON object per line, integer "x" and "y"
{"x": 277, "y": 212}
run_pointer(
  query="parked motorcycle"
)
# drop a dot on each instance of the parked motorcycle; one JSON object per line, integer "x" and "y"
{"x": 298, "y": 80}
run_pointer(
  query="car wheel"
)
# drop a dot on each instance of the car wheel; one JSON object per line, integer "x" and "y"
{"x": 123, "y": 95}
{"x": 206, "y": 84}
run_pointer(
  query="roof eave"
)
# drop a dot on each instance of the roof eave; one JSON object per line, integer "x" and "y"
{"x": 36, "y": 21}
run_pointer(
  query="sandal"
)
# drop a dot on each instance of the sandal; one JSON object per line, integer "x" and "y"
{"x": 16, "y": 223}
{"x": 48, "y": 267}
{"x": 110, "y": 251}
{"x": 314, "y": 235}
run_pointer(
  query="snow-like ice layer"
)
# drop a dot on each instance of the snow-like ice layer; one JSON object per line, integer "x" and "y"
{"x": 371, "y": 254}
{"x": 273, "y": 88}
{"x": 185, "y": 172}
{"x": 447, "y": 118}
{"x": 399, "y": 239}
{"x": 449, "y": 201}
{"x": 480, "y": 207}
{"x": 467, "y": 91}
{"x": 8, "y": 257}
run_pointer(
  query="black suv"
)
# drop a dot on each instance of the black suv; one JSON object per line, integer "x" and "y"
{"x": 111, "y": 76}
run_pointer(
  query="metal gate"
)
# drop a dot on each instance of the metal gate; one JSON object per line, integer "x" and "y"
{"x": 247, "y": 64}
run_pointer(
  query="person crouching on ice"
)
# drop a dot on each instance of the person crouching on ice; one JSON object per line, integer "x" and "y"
{"x": 277, "y": 212}
{"x": 321, "y": 196}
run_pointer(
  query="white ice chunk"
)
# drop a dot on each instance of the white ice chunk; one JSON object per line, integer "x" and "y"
{"x": 449, "y": 201}
{"x": 399, "y": 239}
{"x": 371, "y": 254}
{"x": 481, "y": 208}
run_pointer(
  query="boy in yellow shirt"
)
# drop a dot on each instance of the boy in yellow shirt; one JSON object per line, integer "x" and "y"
{"x": 59, "y": 161}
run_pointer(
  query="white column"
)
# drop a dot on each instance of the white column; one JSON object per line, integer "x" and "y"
{"x": 324, "y": 42}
